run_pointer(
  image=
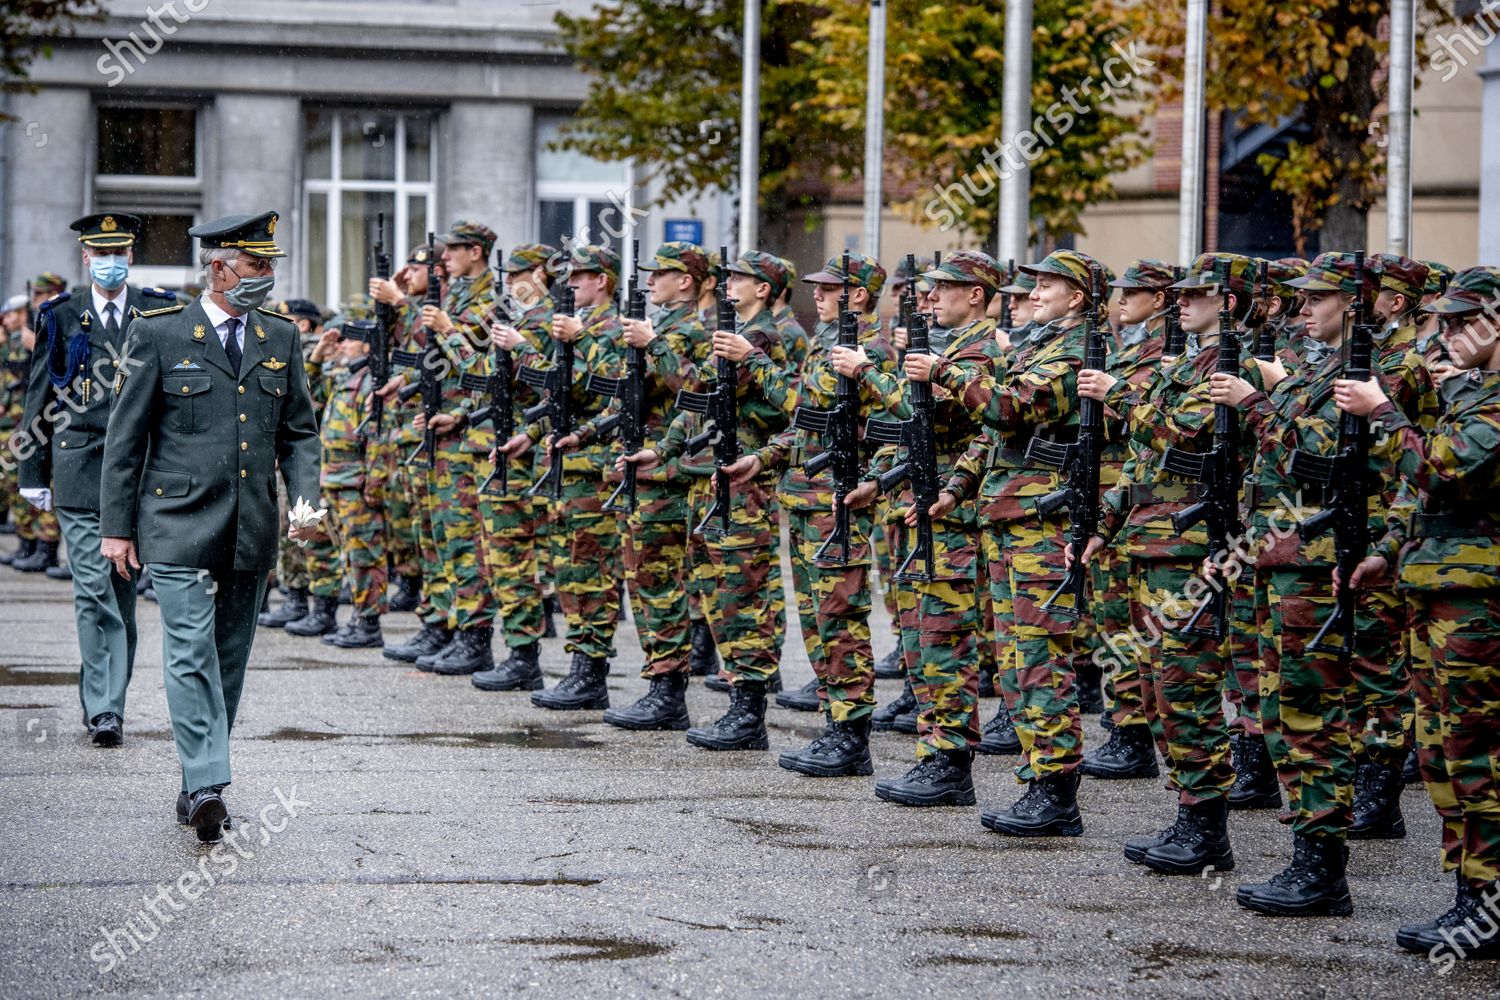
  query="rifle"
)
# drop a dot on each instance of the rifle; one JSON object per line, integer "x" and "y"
{"x": 631, "y": 392}
{"x": 1080, "y": 462}
{"x": 1219, "y": 472}
{"x": 721, "y": 410}
{"x": 1346, "y": 476}
{"x": 494, "y": 388}
{"x": 920, "y": 467}
{"x": 1175, "y": 342}
{"x": 556, "y": 386}
{"x": 839, "y": 429}
{"x": 427, "y": 364}
{"x": 376, "y": 333}
{"x": 1005, "y": 316}
{"x": 1264, "y": 344}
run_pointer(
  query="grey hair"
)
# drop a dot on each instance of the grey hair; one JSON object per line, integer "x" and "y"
{"x": 207, "y": 256}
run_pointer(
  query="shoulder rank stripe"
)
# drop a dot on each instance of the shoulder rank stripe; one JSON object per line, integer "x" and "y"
{"x": 163, "y": 311}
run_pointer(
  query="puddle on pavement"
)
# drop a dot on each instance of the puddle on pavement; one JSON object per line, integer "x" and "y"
{"x": 526, "y": 737}
{"x": 595, "y": 949}
{"x": 35, "y": 677}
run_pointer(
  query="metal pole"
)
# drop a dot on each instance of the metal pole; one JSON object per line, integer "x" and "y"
{"x": 1015, "y": 115}
{"x": 875, "y": 128}
{"x": 1398, "y": 125}
{"x": 628, "y": 234}
{"x": 1190, "y": 197}
{"x": 750, "y": 131}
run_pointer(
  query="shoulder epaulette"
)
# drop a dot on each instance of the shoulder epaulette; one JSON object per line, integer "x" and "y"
{"x": 57, "y": 300}
{"x": 274, "y": 313}
{"x": 159, "y": 293}
{"x": 164, "y": 311}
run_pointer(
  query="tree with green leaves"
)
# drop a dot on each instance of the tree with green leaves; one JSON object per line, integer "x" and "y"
{"x": 27, "y": 28}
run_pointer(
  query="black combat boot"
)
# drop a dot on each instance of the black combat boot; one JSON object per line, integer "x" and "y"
{"x": 521, "y": 671}
{"x": 939, "y": 779}
{"x": 293, "y": 609}
{"x": 900, "y": 715}
{"x": 1377, "y": 804}
{"x": 987, "y": 684}
{"x": 320, "y": 621}
{"x": 743, "y": 727}
{"x": 1200, "y": 841}
{"x": 426, "y": 662}
{"x": 23, "y": 551}
{"x": 663, "y": 706}
{"x": 470, "y": 655}
{"x": 998, "y": 736}
{"x": 1255, "y": 785}
{"x": 804, "y": 699}
{"x": 890, "y": 667}
{"x": 407, "y": 593}
{"x": 704, "y": 659}
{"x": 1130, "y": 753}
{"x": 62, "y": 571}
{"x": 1469, "y": 929}
{"x": 1090, "y": 682}
{"x": 362, "y": 632}
{"x": 1313, "y": 885}
{"x": 550, "y": 607}
{"x": 1136, "y": 847}
{"x": 718, "y": 681}
{"x": 1048, "y": 808}
{"x": 1411, "y": 771}
{"x": 42, "y": 558}
{"x": 426, "y": 642}
{"x": 842, "y": 751}
{"x": 584, "y": 687}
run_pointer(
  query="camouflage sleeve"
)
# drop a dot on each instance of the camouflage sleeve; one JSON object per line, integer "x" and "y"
{"x": 1042, "y": 394}
{"x": 884, "y": 390}
{"x": 1257, "y": 408}
{"x": 777, "y": 453}
{"x": 779, "y": 386}
{"x": 882, "y": 360}
{"x": 1388, "y": 546}
{"x": 1435, "y": 463}
{"x": 674, "y": 442}
{"x": 669, "y": 356}
{"x": 968, "y": 471}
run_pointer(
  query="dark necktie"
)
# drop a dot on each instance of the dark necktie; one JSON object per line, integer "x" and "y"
{"x": 112, "y": 324}
{"x": 232, "y": 346}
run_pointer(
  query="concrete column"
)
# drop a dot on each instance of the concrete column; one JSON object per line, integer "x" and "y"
{"x": 1489, "y": 161}
{"x": 487, "y": 167}
{"x": 49, "y": 153}
{"x": 252, "y": 159}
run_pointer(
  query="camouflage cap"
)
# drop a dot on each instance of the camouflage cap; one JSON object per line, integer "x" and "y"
{"x": 1438, "y": 276}
{"x": 1402, "y": 275}
{"x": 1335, "y": 272}
{"x": 1070, "y": 264}
{"x": 761, "y": 266}
{"x": 791, "y": 271}
{"x": 1146, "y": 273}
{"x": 528, "y": 256}
{"x": 864, "y": 272}
{"x": 468, "y": 232}
{"x": 971, "y": 267}
{"x": 678, "y": 255}
{"x": 902, "y": 275}
{"x": 601, "y": 260}
{"x": 421, "y": 256}
{"x": 1023, "y": 284}
{"x": 1205, "y": 270}
{"x": 1284, "y": 269}
{"x": 1475, "y": 289}
{"x": 49, "y": 283}
{"x": 359, "y": 307}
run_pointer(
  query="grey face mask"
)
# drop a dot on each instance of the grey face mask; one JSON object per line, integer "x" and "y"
{"x": 250, "y": 293}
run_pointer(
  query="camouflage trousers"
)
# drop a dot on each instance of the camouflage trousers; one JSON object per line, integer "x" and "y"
{"x": 841, "y": 613}
{"x": 1023, "y": 562}
{"x": 584, "y": 542}
{"x": 511, "y": 526}
{"x": 400, "y": 515}
{"x": 1124, "y": 697}
{"x": 1456, "y": 671}
{"x": 437, "y": 587}
{"x": 315, "y": 568}
{"x": 1383, "y": 707}
{"x": 700, "y": 574}
{"x": 1242, "y": 686}
{"x": 887, "y": 539}
{"x": 358, "y": 525}
{"x": 741, "y": 612}
{"x": 657, "y": 572}
{"x": 799, "y": 527}
{"x": 1183, "y": 678}
{"x": 452, "y": 501}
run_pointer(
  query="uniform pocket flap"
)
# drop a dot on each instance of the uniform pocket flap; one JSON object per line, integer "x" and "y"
{"x": 185, "y": 385}
{"x": 273, "y": 385}
{"x": 167, "y": 484}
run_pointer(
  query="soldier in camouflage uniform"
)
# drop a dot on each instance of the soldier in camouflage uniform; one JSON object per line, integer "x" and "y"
{"x": 515, "y": 523}
{"x": 585, "y": 539}
{"x": 1443, "y": 555}
{"x": 1310, "y": 699}
{"x": 1023, "y": 551}
{"x": 794, "y": 337}
{"x": 1022, "y": 311}
{"x": 741, "y": 612}
{"x": 1429, "y": 343}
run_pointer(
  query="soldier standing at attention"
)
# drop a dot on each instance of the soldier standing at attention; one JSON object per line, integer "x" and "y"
{"x": 213, "y": 404}
{"x": 79, "y": 350}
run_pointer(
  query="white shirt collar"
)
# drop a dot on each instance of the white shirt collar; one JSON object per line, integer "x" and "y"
{"x": 119, "y": 302}
{"x": 217, "y": 316}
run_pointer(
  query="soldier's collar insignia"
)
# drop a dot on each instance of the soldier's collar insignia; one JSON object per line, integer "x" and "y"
{"x": 134, "y": 312}
{"x": 199, "y": 333}
{"x": 274, "y": 365}
{"x": 86, "y": 319}
{"x": 260, "y": 334}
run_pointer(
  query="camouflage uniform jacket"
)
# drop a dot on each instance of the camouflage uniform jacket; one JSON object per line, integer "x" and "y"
{"x": 345, "y": 442}
{"x": 597, "y": 349}
{"x": 793, "y": 335}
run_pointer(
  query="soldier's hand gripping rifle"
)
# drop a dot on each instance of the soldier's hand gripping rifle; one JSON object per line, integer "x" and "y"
{"x": 631, "y": 392}
{"x": 1219, "y": 474}
{"x": 915, "y": 435}
{"x": 838, "y": 426}
{"x": 428, "y": 364}
{"x": 1345, "y": 479}
{"x": 1263, "y": 346}
{"x": 556, "y": 387}
{"x": 721, "y": 410}
{"x": 377, "y": 334}
{"x": 1079, "y": 461}
{"x": 1175, "y": 338}
{"x": 494, "y": 390}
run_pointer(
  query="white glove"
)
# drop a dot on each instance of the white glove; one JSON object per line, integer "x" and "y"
{"x": 41, "y": 499}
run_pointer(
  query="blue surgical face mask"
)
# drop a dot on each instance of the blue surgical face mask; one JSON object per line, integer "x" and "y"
{"x": 109, "y": 272}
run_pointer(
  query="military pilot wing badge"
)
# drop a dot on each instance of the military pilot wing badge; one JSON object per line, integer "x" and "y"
{"x": 274, "y": 365}
{"x": 187, "y": 364}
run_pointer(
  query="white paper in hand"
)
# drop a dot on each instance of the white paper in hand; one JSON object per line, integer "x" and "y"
{"x": 302, "y": 515}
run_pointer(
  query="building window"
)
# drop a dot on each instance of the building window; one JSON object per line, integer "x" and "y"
{"x": 148, "y": 162}
{"x": 577, "y": 195}
{"x": 358, "y": 165}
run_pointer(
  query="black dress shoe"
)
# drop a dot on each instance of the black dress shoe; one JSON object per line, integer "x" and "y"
{"x": 939, "y": 779}
{"x": 107, "y": 730}
{"x": 890, "y": 667}
{"x": 184, "y": 802}
{"x": 207, "y": 814}
{"x": 804, "y": 699}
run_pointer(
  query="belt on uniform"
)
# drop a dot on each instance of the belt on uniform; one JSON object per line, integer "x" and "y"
{"x": 1452, "y": 526}
{"x": 1007, "y": 458}
{"x": 1147, "y": 494}
{"x": 1264, "y": 497}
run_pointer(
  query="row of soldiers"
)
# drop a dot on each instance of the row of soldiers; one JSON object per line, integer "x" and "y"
{"x": 439, "y": 415}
